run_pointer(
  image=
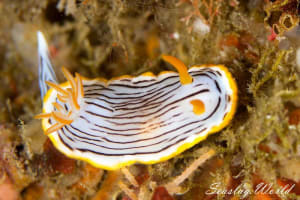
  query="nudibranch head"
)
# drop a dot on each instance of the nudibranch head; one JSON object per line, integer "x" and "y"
{"x": 145, "y": 119}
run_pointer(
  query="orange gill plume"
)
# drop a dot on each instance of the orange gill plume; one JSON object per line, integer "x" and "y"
{"x": 71, "y": 96}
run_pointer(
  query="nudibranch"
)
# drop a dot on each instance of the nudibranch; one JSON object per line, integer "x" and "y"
{"x": 145, "y": 119}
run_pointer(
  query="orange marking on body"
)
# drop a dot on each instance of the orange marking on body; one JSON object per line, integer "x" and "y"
{"x": 198, "y": 106}
{"x": 185, "y": 77}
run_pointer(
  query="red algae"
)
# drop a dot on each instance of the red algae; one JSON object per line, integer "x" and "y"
{"x": 294, "y": 118}
{"x": 161, "y": 193}
{"x": 58, "y": 161}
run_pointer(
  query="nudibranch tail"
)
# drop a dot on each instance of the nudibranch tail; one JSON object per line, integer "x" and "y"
{"x": 146, "y": 119}
{"x": 46, "y": 72}
{"x": 185, "y": 78}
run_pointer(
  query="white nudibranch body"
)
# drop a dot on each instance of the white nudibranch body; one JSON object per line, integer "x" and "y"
{"x": 145, "y": 119}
